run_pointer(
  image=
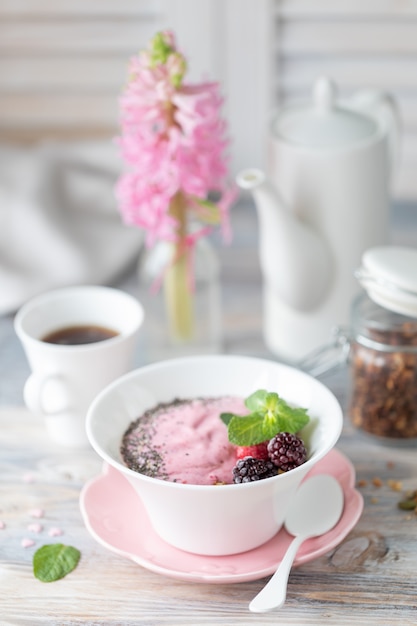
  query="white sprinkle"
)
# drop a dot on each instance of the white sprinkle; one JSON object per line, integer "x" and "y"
{"x": 27, "y": 543}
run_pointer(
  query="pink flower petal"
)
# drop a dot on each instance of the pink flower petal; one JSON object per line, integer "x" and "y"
{"x": 55, "y": 532}
{"x": 27, "y": 543}
{"x": 2, "y": 525}
{"x": 35, "y": 528}
{"x": 36, "y": 513}
{"x": 173, "y": 139}
{"x": 29, "y": 477}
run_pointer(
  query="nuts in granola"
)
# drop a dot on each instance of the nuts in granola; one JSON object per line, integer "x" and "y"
{"x": 384, "y": 382}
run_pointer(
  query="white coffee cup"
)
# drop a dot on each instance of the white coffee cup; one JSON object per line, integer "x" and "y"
{"x": 66, "y": 378}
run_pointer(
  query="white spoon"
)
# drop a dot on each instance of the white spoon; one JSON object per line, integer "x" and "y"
{"x": 314, "y": 510}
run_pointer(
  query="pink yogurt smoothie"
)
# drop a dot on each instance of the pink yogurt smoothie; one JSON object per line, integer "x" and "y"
{"x": 184, "y": 441}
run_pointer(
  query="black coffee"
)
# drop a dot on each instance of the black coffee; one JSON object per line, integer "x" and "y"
{"x": 75, "y": 335}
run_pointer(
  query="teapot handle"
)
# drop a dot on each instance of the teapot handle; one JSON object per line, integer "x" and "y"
{"x": 382, "y": 106}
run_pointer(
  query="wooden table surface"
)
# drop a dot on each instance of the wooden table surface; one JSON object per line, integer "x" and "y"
{"x": 370, "y": 578}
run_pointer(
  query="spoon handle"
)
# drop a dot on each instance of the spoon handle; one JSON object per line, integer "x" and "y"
{"x": 275, "y": 591}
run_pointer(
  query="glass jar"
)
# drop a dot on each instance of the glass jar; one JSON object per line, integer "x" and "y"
{"x": 186, "y": 322}
{"x": 380, "y": 347}
{"x": 382, "y": 397}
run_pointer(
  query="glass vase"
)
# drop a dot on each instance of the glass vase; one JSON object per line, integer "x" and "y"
{"x": 181, "y": 296}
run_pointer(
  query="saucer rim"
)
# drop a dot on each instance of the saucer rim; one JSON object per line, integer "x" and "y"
{"x": 356, "y": 508}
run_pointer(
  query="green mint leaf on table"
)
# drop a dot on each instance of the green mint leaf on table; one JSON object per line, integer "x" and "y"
{"x": 269, "y": 415}
{"x": 54, "y": 561}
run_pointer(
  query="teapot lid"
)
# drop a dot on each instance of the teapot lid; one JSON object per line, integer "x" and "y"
{"x": 324, "y": 124}
{"x": 389, "y": 275}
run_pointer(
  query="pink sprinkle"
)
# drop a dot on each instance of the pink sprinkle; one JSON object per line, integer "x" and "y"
{"x": 27, "y": 543}
{"x": 55, "y": 532}
{"x": 35, "y": 528}
{"x": 28, "y": 477}
{"x": 2, "y": 525}
{"x": 36, "y": 513}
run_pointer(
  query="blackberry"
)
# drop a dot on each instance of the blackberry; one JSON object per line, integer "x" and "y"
{"x": 287, "y": 451}
{"x": 250, "y": 469}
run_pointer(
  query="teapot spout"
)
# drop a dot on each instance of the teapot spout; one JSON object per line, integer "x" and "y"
{"x": 295, "y": 261}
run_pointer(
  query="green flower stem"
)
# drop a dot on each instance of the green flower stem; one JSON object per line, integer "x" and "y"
{"x": 178, "y": 294}
{"x": 179, "y": 300}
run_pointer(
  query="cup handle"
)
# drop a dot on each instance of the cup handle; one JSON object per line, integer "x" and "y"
{"x": 46, "y": 395}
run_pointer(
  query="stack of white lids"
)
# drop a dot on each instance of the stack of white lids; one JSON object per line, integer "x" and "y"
{"x": 389, "y": 275}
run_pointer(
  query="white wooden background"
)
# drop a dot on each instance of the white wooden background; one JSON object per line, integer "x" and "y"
{"x": 63, "y": 64}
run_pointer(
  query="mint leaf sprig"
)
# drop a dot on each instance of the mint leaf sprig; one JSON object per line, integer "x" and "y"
{"x": 54, "y": 561}
{"x": 269, "y": 415}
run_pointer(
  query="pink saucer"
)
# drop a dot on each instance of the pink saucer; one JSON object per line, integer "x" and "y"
{"x": 116, "y": 518}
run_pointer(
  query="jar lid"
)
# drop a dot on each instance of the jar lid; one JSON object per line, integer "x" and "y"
{"x": 323, "y": 123}
{"x": 389, "y": 275}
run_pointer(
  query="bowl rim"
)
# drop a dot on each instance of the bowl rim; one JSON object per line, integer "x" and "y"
{"x": 211, "y": 357}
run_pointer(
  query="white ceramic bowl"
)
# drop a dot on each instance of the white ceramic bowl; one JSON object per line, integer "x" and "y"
{"x": 213, "y": 519}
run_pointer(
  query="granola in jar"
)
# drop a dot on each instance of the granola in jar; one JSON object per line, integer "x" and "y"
{"x": 383, "y": 372}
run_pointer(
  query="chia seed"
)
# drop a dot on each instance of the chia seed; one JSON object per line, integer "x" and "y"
{"x": 136, "y": 449}
{"x": 179, "y": 443}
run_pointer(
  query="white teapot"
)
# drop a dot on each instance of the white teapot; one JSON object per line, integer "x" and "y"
{"x": 325, "y": 202}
